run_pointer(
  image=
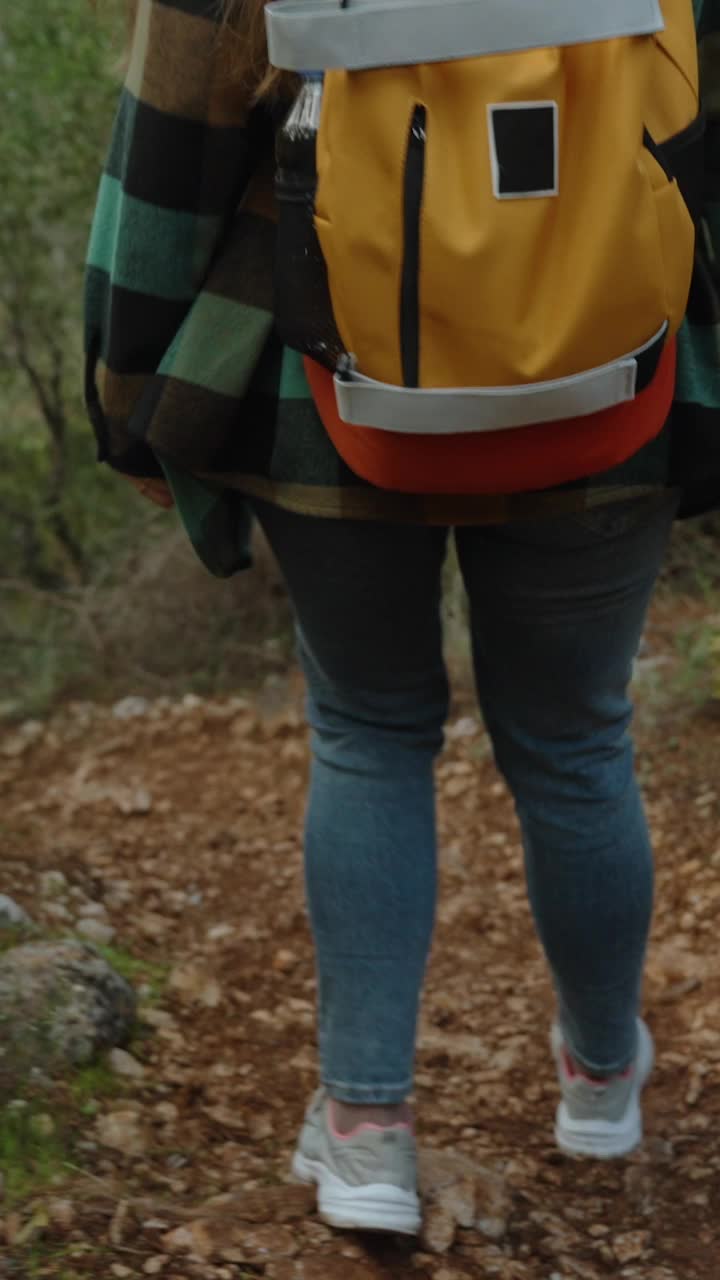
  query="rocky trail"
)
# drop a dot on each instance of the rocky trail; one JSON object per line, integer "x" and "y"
{"x": 168, "y": 836}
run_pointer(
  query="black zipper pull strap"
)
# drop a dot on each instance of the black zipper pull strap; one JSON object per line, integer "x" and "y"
{"x": 414, "y": 183}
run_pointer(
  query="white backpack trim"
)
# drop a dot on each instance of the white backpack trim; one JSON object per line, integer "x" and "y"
{"x": 441, "y": 411}
{"x": 319, "y": 35}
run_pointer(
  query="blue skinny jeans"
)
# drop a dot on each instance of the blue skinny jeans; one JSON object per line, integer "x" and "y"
{"x": 556, "y": 612}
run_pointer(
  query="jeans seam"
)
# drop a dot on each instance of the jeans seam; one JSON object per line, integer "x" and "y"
{"x": 380, "y": 1087}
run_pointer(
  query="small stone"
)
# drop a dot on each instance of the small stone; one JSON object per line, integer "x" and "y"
{"x": 136, "y": 800}
{"x": 53, "y": 883}
{"x": 191, "y": 702}
{"x": 61, "y": 1213}
{"x": 457, "y": 787}
{"x": 129, "y": 708}
{"x": 57, "y": 911}
{"x": 12, "y": 915}
{"x": 260, "y": 1127}
{"x": 284, "y": 960}
{"x": 465, "y": 727}
{"x": 191, "y": 1238}
{"x": 155, "y": 1265}
{"x": 218, "y": 932}
{"x": 42, "y": 1125}
{"x": 195, "y": 985}
{"x": 122, "y": 1131}
{"x": 166, "y": 1112}
{"x": 96, "y": 909}
{"x": 261, "y": 1244}
{"x": 95, "y": 931}
{"x": 123, "y": 1064}
{"x": 630, "y": 1245}
{"x": 492, "y": 1228}
{"x": 121, "y": 1272}
{"x": 153, "y": 926}
{"x": 178, "y": 1241}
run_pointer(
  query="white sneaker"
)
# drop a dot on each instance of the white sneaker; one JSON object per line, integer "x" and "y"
{"x": 601, "y": 1118}
{"x": 366, "y": 1180}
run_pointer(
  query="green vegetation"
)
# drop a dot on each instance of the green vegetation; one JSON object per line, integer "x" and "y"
{"x": 90, "y": 1084}
{"x": 61, "y": 517}
{"x": 32, "y": 1155}
{"x": 137, "y": 971}
{"x": 96, "y": 585}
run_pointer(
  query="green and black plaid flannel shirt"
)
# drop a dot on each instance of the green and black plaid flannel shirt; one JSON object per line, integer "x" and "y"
{"x": 184, "y": 371}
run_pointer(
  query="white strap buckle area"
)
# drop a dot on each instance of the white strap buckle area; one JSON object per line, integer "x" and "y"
{"x": 438, "y": 411}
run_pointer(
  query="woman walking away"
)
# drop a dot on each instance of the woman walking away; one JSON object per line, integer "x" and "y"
{"x": 385, "y": 276}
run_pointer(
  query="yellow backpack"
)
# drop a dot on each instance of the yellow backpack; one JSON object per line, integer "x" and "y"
{"x": 504, "y": 204}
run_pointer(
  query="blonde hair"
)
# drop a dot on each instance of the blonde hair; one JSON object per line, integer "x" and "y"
{"x": 245, "y": 22}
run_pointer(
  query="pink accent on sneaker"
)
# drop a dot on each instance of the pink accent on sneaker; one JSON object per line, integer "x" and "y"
{"x": 364, "y": 1124}
{"x": 573, "y": 1072}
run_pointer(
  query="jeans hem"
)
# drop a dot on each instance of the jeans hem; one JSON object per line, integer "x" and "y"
{"x": 369, "y": 1095}
{"x": 595, "y": 1068}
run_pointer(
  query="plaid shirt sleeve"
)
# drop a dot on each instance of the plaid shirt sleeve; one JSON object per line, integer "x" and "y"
{"x": 180, "y": 158}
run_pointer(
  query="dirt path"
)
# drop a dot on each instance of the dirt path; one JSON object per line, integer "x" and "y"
{"x": 183, "y": 822}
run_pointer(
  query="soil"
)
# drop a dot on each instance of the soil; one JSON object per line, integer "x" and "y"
{"x": 184, "y": 823}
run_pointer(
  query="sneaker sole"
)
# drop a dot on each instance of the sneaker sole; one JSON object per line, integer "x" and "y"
{"x": 373, "y": 1207}
{"x": 601, "y": 1139}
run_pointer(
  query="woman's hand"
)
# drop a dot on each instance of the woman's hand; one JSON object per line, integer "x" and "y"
{"x": 154, "y": 489}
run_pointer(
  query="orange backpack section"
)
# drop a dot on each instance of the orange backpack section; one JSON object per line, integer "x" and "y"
{"x": 499, "y": 462}
{"x": 510, "y": 291}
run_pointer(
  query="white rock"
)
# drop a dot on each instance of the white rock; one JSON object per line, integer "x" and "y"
{"x": 62, "y": 1213}
{"x": 191, "y": 702}
{"x": 134, "y": 800}
{"x": 492, "y": 1228}
{"x": 123, "y": 1064}
{"x": 53, "y": 883}
{"x": 166, "y": 1112}
{"x": 465, "y": 727}
{"x": 95, "y": 931}
{"x": 56, "y": 911}
{"x": 92, "y": 909}
{"x": 155, "y": 1265}
{"x": 217, "y": 932}
{"x": 129, "y": 708}
{"x": 122, "y": 1131}
{"x": 12, "y": 915}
